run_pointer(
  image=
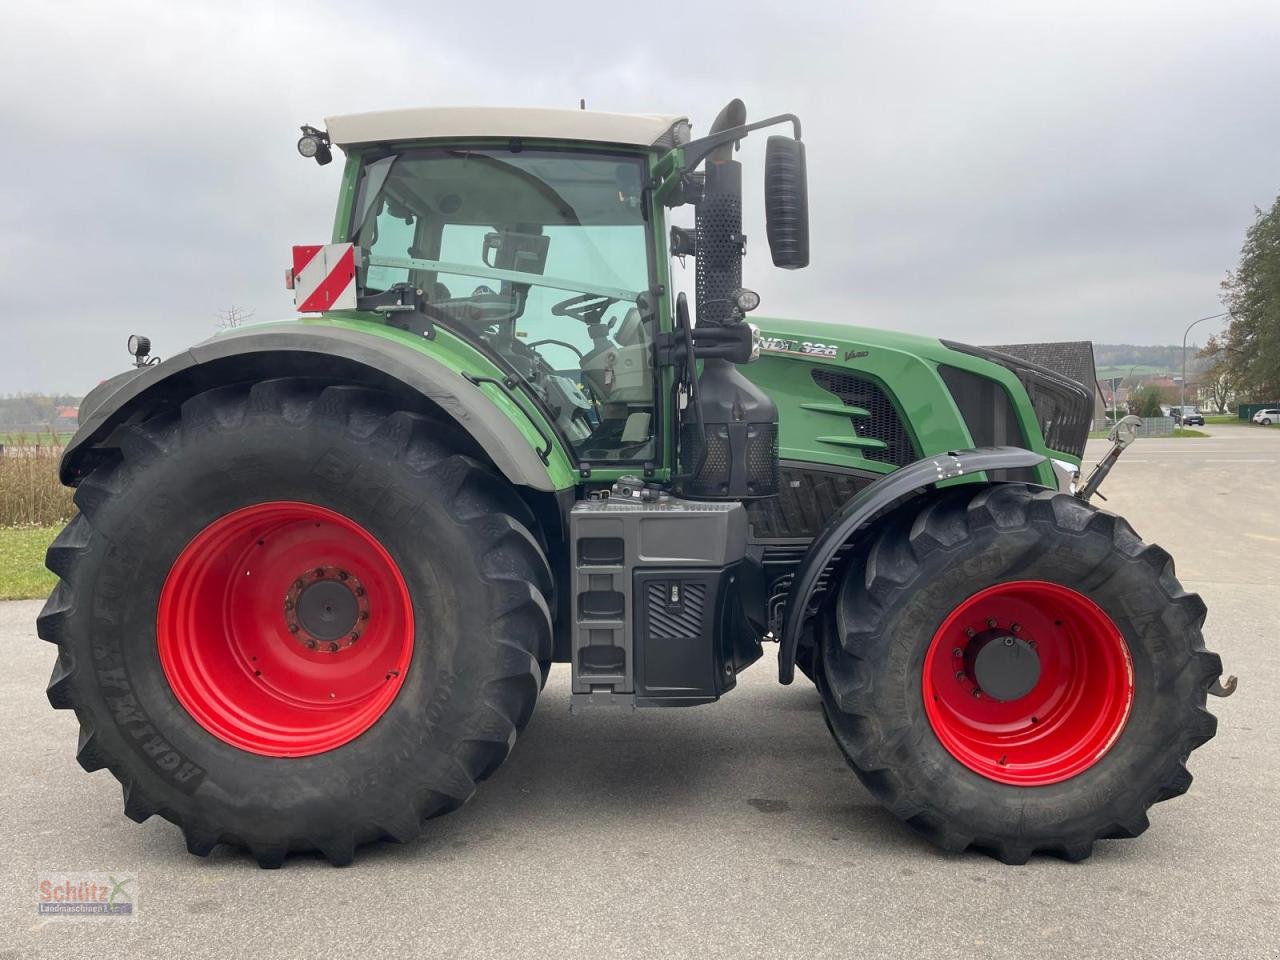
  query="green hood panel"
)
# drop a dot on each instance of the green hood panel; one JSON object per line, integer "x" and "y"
{"x": 816, "y": 427}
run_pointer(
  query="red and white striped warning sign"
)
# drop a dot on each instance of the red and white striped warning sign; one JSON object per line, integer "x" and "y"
{"x": 324, "y": 277}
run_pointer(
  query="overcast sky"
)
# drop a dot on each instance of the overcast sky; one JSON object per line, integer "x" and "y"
{"x": 991, "y": 172}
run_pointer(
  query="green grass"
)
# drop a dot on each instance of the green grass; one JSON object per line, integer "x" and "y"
{"x": 22, "y": 572}
{"x": 1124, "y": 370}
{"x": 1187, "y": 432}
{"x": 34, "y": 439}
{"x": 1222, "y": 418}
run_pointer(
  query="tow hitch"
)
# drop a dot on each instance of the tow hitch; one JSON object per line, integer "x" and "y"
{"x": 1221, "y": 689}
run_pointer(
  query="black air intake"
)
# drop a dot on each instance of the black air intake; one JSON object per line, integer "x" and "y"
{"x": 740, "y": 460}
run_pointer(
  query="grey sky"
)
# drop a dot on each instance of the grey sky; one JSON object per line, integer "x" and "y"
{"x": 991, "y": 172}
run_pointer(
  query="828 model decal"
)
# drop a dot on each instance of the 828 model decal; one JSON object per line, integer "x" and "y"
{"x": 806, "y": 347}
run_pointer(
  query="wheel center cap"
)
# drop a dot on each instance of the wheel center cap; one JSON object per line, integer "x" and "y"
{"x": 1005, "y": 667}
{"x": 326, "y": 609}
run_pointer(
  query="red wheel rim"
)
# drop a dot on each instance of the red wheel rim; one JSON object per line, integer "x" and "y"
{"x": 1072, "y": 712}
{"x": 248, "y": 629}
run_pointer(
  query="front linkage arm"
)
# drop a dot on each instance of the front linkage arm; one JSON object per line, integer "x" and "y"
{"x": 1122, "y": 435}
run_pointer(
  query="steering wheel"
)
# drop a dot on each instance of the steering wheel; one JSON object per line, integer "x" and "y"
{"x": 482, "y": 309}
{"x": 588, "y": 308}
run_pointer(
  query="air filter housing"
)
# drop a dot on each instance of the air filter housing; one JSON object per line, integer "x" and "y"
{"x": 739, "y": 459}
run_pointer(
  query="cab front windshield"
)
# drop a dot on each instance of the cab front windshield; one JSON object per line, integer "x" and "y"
{"x": 541, "y": 258}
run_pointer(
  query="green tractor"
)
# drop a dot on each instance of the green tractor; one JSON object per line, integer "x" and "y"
{"x": 321, "y": 567}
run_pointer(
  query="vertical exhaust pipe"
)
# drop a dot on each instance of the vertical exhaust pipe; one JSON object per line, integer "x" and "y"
{"x": 718, "y": 274}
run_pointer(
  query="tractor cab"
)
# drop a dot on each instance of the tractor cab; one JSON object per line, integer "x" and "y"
{"x": 542, "y": 257}
{"x": 539, "y": 237}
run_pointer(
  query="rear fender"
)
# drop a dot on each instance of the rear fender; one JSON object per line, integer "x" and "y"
{"x": 338, "y": 352}
{"x": 862, "y": 509}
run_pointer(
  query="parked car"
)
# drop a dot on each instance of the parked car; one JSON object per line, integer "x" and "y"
{"x": 1267, "y": 417}
{"x": 1187, "y": 416}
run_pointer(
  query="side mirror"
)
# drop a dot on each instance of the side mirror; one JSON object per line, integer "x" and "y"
{"x": 786, "y": 203}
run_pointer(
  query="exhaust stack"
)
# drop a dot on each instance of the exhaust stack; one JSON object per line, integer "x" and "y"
{"x": 729, "y": 451}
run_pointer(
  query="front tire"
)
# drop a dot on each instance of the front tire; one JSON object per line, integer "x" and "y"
{"x": 293, "y": 617}
{"x": 1016, "y": 671}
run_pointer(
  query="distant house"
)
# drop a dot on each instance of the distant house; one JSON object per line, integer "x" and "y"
{"x": 68, "y": 413}
{"x": 1071, "y": 358}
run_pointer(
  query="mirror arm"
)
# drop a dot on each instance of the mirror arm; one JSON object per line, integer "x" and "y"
{"x": 695, "y": 151}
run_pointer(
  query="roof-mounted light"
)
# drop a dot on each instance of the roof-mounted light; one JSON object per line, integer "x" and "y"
{"x": 314, "y": 144}
{"x": 140, "y": 349}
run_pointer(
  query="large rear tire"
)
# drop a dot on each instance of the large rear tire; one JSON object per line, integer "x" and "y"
{"x": 1016, "y": 671}
{"x": 291, "y": 617}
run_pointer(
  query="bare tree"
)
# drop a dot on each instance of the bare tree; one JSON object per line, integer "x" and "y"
{"x": 1220, "y": 375}
{"x": 1221, "y": 391}
{"x": 233, "y": 317}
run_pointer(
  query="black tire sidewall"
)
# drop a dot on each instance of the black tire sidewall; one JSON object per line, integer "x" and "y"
{"x": 1124, "y": 587}
{"x": 410, "y": 748}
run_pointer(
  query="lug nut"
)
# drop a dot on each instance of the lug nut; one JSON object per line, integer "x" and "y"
{"x": 957, "y": 652}
{"x": 311, "y": 644}
{"x": 991, "y": 622}
{"x": 319, "y": 572}
{"x": 969, "y": 632}
{"x": 293, "y": 628}
{"x": 334, "y": 648}
{"x": 977, "y": 694}
{"x": 1016, "y": 628}
{"x": 960, "y": 676}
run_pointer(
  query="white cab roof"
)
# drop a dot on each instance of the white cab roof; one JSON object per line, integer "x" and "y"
{"x": 456, "y": 123}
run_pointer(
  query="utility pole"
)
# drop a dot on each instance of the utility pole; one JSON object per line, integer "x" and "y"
{"x": 1182, "y": 403}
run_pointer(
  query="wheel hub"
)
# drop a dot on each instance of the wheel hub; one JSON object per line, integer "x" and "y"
{"x": 326, "y": 609}
{"x": 1004, "y": 667}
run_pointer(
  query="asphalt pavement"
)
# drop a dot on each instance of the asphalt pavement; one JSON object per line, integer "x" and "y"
{"x": 733, "y": 829}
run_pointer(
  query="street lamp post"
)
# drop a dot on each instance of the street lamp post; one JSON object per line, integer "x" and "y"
{"x": 1182, "y": 402}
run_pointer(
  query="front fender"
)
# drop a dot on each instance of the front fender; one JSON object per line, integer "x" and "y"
{"x": 492, "y": 417}
{"x": 855, "y": 514}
